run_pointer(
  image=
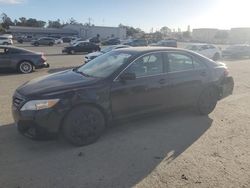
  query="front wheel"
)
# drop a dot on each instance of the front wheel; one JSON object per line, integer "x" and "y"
{"x": 83, "y": 125}
{"x": 25, "y": 67}
{"x": 207, "y": 101}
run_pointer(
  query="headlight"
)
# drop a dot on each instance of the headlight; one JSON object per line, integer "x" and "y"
{"x": 39, "y": 104}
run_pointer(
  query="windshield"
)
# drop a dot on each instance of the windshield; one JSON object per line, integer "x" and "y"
{"x": 104, "y": 65}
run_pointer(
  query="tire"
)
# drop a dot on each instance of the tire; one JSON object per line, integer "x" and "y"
{"x": 83, "y": 125}
{"x": 36, "y": 44}
{"x": 51, "y": 44}
{"x": 207, "y": 101}
{"x": 72, "y": 52}
{"x": 25, "y": 67}
{"x": 216, "y": 56}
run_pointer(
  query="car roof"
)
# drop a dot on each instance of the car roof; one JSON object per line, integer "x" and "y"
{"x": 149, "y": 49}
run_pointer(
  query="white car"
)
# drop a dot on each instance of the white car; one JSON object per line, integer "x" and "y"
{"x": 5, "y": 40}
{"x": 58, "y": 41}
{"x": 208, "y": 50}
{"x": 104, "y": 50}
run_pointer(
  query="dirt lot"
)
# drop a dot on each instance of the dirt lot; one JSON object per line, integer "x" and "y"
{"x": 177, "y": 149}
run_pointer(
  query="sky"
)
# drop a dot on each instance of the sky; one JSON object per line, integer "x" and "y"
{"x": 145, "y": 14}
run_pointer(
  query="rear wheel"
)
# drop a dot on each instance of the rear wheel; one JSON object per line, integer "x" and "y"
{"x": 207, "y": 101}
{"x": 50, "y": 44}
{"x": 36, "y": 44}
{"x": 83, "y": 125}
{"x": 25, "y": 67}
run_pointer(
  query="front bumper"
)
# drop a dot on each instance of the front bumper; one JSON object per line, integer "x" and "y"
{"x": 227, "y": 87}
{"x": 34, "y": 124}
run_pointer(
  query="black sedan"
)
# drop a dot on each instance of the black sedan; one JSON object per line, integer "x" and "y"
{"x": 82, "y": 46}
{"x": 127, "y": 82}
{"x": 21, "y": 60}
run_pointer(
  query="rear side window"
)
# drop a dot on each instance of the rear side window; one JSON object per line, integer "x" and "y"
{"x": 180, "y": 62}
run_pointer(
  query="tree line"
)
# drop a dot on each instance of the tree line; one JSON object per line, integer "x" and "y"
{"x": 6, "y": 22}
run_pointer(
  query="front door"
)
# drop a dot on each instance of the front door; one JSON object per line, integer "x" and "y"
{"x": 144, "y": 94}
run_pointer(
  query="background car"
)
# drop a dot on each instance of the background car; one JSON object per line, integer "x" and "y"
{"x": 5, "y": 40}
{"x": 208, "y": 50}
{"x": 166, "y": 43}
{"x": 68, "y": 39}
{"x": 81, "y": 47}
{"x": 237, "y": 51}
{"x": 79, "y": 103}
{"x": 58, "y": 41}
{"x": 47, "y": 41}
{"x": 104, "y": 50}
{"x": 137, "y": 42}
{"x": 21, "y": 60}
{"x": 72, "y": 42}
{"x": 27, "y": 38}
{"x": 112, "y": 41}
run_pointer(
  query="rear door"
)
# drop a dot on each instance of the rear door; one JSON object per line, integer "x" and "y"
{"x": 144, "y": 94}
{"x": 5, "y": 58}
{"x": 187, "y": 77}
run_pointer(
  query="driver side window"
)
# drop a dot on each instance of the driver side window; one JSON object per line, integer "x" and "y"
{"x": 147, "y": 65}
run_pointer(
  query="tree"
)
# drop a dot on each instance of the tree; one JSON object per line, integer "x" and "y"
{"x": 131, "y": 31}
{"x": 54, "y": 24}
{"x": 6, "y": 21}
{"x": 72, "y": 21}
{"x": 165, "y": 30}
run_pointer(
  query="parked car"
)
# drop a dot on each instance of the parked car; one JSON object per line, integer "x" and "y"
{"x": 113, "y": 41}
{"x": 23, "y": 39}
{"x": 104, "y": 50}
{"x": 120, "y": 84}
{"x": 68, "y": 39}
{"x": 24, "y": 61}
{"x": 137, "y": 42}
{"x": 77, "y": 40}
{"x": 207, "y": 50}
{"x": 81, "y": 47}
{"x": 58, "y": 41}
{"x": 4, "y": 40}
{"x": 166, "y": 43}
{"x": 237, "y": 51}
{"x": 95, "y": 40}
{"x": 47, "y": 41}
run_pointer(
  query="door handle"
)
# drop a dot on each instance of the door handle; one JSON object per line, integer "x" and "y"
{"x": 162, "y": 81}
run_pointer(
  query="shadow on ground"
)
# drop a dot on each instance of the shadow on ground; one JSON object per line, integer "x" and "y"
{"x": 122, "y": 157}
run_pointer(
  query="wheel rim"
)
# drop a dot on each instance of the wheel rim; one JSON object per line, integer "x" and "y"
{"x": 25, "y": 67}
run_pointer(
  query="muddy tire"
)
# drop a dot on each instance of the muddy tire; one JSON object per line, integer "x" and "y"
{"x": 83, "y": 125}
{"x": 207, "y": 101}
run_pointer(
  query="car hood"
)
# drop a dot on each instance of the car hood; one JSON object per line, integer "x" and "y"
{"x": 56, "y": 82}
{"x": 95, "y": 54}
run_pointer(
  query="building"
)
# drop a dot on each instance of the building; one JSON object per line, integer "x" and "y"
{"x": 86, "y": 32}
{"x": 78, "y": 30}
{"x": 204, "y": 34}
{"x": 240, "y": 35}
{"x": 38, "y": 31}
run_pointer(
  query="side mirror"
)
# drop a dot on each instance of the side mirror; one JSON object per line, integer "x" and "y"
{"x": 127, "y": 76}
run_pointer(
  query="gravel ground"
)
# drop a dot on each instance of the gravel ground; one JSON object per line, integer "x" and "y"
{"x": 177, "y": 149}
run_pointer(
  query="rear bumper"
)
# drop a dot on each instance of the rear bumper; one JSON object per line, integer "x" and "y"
{"x": 227, "y": 87}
